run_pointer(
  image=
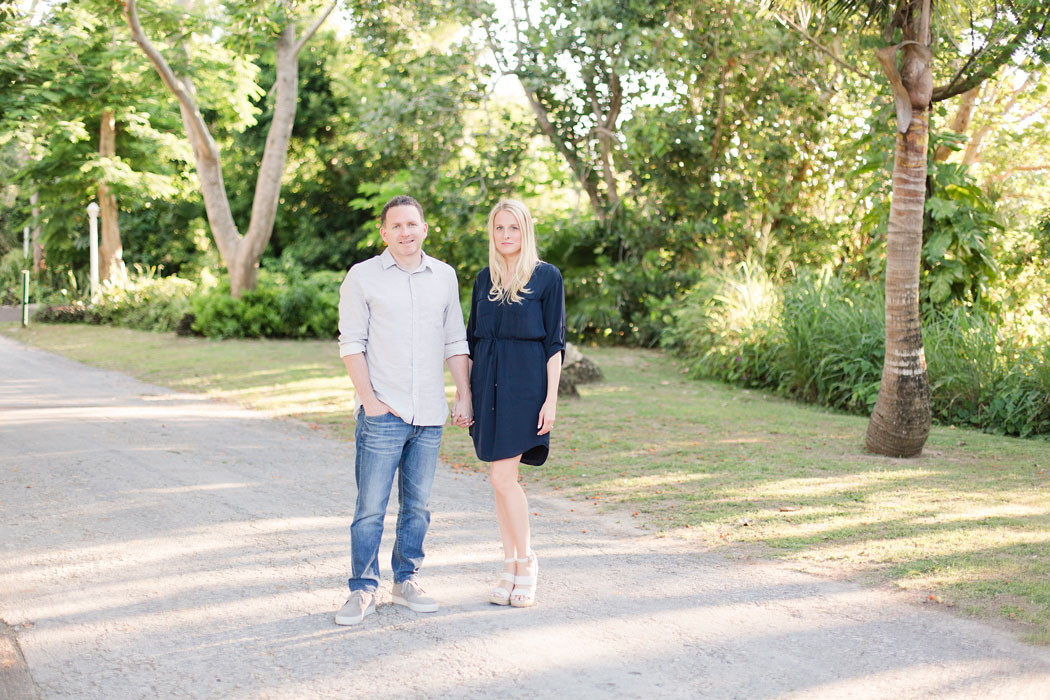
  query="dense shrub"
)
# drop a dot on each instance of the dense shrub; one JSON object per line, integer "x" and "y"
{"x": 622, "y": 277}
{"x": 283, "y": 305}
{"x": 821, "y": 339}
{"x": 11, "y": 265}
{"x": 726, "y": 327}
{"x": 144, "y": 301}
{"x": 980, "y": 377}
{"x": 74, "y": 312}
{"x": 834, "y": 342}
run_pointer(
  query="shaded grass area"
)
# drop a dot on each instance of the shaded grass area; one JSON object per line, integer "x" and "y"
{"x": 966, "y": 525}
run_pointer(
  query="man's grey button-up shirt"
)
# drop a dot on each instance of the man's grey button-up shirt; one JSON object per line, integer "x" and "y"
{"x": 406, "y": 324}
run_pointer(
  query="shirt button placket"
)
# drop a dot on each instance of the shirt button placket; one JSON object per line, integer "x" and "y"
{"x": 415, "y": 342}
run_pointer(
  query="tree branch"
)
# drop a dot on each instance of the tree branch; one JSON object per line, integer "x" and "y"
{"x": 955, "y": 86}
{"x": 787, "y": 21}
{"x": 175, "y": 85}
{"x": 314, "y": 27}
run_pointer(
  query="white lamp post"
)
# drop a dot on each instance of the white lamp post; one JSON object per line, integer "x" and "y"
{"x": 92, "y": 210}
{"x": 25, "y": 241}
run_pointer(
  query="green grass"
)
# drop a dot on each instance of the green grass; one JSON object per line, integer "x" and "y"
{"x": 967, "y": 525}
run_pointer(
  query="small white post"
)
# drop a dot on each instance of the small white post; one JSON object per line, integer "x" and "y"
{"x": 92, "y": 210}
{"x": 25, "y": 241}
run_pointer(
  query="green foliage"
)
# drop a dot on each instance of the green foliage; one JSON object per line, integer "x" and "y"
{"x": 959, "y": 225}
{"x": 287, "y": 304}
{"x": 145, "y": 301}
{"x": 58, "y": 76}
{"x": 981, "y": 377}
{"x": 11, "y": 265}
{"x": 47, "y": 286}
{"x": 821, "y": 339}
{"x": 726, "y": 326}
{"x": 957, "y": 261}
{"x": 620, "y": 281}
{"x": 834, "y": 339}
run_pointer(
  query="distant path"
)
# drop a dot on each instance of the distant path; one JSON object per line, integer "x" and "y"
{"x": 159, "y": 545}
{"x": 14, "y": 313}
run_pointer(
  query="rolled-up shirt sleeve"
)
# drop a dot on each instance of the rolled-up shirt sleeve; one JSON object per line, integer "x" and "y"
{"x": 554, "y": 316}
{"x": 353, "y": 316}
{"x": 455, "y": 334}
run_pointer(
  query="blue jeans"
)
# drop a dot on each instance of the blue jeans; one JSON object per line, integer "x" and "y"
{"x": 387, "y": 446}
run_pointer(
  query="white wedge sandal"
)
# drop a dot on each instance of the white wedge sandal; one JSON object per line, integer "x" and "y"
{"x": 500, "y": 595}
{"x": 524, "y": 593}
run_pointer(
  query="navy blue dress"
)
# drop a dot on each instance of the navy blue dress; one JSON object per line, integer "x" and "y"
{"x": 510, "y": 345}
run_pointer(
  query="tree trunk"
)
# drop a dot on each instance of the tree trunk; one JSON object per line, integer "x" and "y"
{"x": 584, "y": 174}
{"x": 38, "y": 245}
{"x": 271, "y": 170}
{"x": 973, "y": 148}
{"x": 961, "y": 122}
{"x": 900, "y": 423}
{"x": 110, "y": 251}
{"x": 240, "y": 253}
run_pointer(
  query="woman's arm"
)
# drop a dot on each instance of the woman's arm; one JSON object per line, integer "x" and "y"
{"x": 550, "y": 405}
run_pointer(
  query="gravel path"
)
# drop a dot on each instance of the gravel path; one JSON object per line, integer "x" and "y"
{"x": 159, "y": 545}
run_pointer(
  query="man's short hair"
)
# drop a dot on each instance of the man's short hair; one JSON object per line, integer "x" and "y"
{"x": 401, "y": 200}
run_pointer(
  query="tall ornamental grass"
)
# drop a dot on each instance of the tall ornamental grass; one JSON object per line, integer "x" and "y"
{"x": 820, "y": 339}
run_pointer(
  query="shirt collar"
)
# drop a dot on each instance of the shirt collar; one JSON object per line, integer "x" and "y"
{"x": 386, "y": 258}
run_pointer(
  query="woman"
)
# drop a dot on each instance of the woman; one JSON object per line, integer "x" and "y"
{"x": 516, "y": 333}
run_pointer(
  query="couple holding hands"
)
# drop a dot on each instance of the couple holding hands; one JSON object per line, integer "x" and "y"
{"x": 399, "y": 322}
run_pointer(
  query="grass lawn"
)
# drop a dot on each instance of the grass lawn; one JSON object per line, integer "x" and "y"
{"x": 966, "y": 525}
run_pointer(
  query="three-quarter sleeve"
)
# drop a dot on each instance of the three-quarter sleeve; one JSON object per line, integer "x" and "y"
{"x": 472, "y": 320}
{"x": 554, "y": 315}
{"x": 455, "y": 337}
{"x": 353, "y": 316}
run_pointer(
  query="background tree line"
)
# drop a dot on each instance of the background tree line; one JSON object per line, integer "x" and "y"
{"x": 694, "y": 165}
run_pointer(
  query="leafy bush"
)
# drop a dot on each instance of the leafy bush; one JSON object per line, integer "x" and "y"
{"x": 11, "y": 265}
{"x": 981, "y": 377}
{"x": 960, "y": 226}
{"x": 834, "y": 342}
{"x": 75, "y": 312}
{"x": 821, "y": 339}
{"x": 283, "y": 305}
{"x": 621, "y": 278}
{"x": 726, "y": 327}
{"x": 144, "y": 301}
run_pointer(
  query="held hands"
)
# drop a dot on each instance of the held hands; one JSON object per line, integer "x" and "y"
{"x": 546, "y": 418}
{"x": 463, "y": 411}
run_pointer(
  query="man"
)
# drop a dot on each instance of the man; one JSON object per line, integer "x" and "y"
{"x": 399, "y": 319}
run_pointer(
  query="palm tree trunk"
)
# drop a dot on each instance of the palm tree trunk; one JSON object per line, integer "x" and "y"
{"x": 900, "y": 423}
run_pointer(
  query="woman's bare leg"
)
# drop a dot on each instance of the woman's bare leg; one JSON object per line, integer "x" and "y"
{"x": 515, "y": 523}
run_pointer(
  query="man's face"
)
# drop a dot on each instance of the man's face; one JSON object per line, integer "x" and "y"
{"x": 403, "y": 231}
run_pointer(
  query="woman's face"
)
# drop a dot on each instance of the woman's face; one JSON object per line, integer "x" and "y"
{"x": 506, "y": 234}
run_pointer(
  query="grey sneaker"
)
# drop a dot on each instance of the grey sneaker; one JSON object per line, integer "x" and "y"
{"x": 357, "y": 607}
{"x": 412, "y": 596}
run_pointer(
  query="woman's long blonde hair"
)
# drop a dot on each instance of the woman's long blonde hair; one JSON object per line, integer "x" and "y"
{"x": 509, "y": 285}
